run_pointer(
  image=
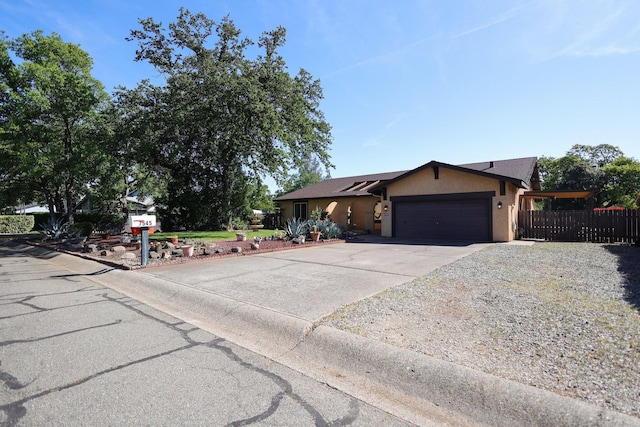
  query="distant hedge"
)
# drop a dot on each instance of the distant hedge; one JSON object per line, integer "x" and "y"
{"x": 94, "y": 218}
{"x": 16, "y": 224}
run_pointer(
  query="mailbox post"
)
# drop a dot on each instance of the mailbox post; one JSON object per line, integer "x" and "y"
{"x": 143, "y": 222}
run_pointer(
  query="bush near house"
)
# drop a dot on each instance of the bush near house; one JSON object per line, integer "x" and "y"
{"x": 16, "y": 224}
{"x": 295, "y": 227}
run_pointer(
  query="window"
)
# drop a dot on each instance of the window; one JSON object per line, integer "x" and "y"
{"x": 300, "y": 210}
{"x": 503, "y": 188}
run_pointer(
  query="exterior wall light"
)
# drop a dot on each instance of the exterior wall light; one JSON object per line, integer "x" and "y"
{"x": 499, "y": 205}
{"x": 386, "y": 208}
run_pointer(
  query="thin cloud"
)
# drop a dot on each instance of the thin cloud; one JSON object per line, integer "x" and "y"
{"x": 395, "y": 121}
{"x": 506, "y": 16}
{"x": 606, "y": 28}
{"x": 380, "y": 58}
{"x": 372, "y": 142}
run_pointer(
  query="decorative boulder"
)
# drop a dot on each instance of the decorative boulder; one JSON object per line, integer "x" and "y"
{"x": 255, "y": 246}
{"x": 236, "y": 249}
{"x": 128, "y": 255}
{"x": 166, "y": 255}
{"x": 118, "y": 249}
{"x": 154, "y": 255}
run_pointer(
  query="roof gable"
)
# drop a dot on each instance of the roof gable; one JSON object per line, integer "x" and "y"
{"x": 519, "y": 172}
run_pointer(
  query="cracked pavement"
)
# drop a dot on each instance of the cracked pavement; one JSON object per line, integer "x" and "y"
{"x": 75, "y": 353}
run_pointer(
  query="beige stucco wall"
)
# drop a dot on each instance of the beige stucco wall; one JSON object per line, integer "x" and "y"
{"x": 452, "y": 181}
{"x": 361, "y": 210}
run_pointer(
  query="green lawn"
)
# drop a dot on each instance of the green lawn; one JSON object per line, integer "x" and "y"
{"x": 212, "y": 235}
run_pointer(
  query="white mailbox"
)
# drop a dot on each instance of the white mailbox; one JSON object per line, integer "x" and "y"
{"x": 139, "y": 221}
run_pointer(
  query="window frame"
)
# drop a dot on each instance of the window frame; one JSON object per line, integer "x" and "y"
{"x": 298, "y": 207}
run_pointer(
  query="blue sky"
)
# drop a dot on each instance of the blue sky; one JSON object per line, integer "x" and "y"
{"x": 410, "y": 81}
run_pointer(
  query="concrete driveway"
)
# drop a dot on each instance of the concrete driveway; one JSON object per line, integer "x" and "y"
{"x": 313, "y": 282}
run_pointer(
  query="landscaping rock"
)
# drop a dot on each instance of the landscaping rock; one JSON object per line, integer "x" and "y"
{"x": 170, "y": 246}
{"x": 165, "y": 255}
{"x": 218, "y": 251}
{"x": 255, "y": 246}
{"x": 236, "y": 249}
{"x": 90, "y": 248}
{"x": 154, "y": 255}
{"x": 118, "y": 249}
{"x": 103, "y": 253}
{"x": 177, "y": 252}
{"x": 128, "y": 255}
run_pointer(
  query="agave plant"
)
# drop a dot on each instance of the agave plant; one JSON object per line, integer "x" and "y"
{"x": 55, "y": 229}
{"x": 332, "y": 230}
{"x": 295, "y": 228}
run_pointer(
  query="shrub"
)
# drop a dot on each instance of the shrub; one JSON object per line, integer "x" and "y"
{"x": 82, "y": 229}
{"x": 328, "y": 228}
{"x": 318, "y": 214}
{"x": 42, "y": 218}
{"x": 295, "y": 227}
{"x": 55, "y": 229}
{"x": 332, "y": 230}
{"x": 99, "y": 220}
{"x": 16, "y": 224}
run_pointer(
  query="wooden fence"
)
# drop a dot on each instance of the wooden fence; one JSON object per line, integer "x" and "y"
{"x": 580, "y": 226}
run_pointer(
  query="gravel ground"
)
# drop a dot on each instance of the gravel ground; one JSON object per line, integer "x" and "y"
{"x": 560, "y": 316}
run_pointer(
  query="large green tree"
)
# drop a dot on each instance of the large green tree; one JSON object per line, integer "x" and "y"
{"x": 221, "y": 120}
{"x": 309, "y": 173}
{"x": 601, "y": 167}
{"x": 49, "y": 136}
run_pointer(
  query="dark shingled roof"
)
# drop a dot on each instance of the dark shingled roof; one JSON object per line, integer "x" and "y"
{"x": 521, "y": 169}
{"x": 339, "y": 187}
{"x": 517, "y": 171}
{"x": 520, "y": 172}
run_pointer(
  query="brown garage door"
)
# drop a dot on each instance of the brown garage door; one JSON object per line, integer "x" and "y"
{"x": 466, "y": 220}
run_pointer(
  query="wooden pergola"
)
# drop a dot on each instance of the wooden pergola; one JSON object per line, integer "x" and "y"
{"x": 560, "y": 194}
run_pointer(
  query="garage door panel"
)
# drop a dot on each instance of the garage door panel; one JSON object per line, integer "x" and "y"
{"x": 445, "y": 219}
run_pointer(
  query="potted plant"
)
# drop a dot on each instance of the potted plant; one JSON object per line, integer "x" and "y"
{"x": 315, "y": 234}
{"x": 187, "y": 250}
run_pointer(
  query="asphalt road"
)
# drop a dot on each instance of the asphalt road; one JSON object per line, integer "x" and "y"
{"x": 75, "y": 353}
